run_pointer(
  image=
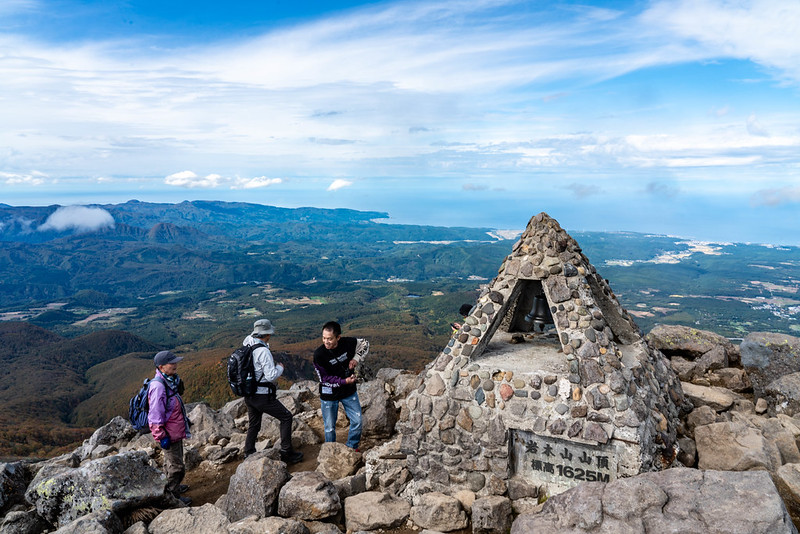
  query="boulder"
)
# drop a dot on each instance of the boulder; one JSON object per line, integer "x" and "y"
{"x": 349, "y": 486}
{"x": 268, "y": 525}
{"x": 379, "y": 414}
{"x": 318, "y": 527}
{"x": 787, "y": 480}
{"x": 767, "y": 357}
{"x": 491, "y": 515}
{"x": 23, "y": 522}
{"x": 337, "y": 460}
{"x": 437, "y": 511}
{"x": 207, "y": 422}
{"x": 730, "y": 378}
{"x": 718, "y": 399}
{"x": 254, "y": 487}
{"x": 674, "y": 500}
{"x": 783, "y": 394}
{"x": 14, "y": 480}
{"x": 690, "y": 343}
{"x": 732, "y": 446}
{"x": 206, "y": 519}
{"x": 95, "y": 523}
{"x": 372, "y": 510}
{"x": 108, "y": 439}
{"x": 386, "y": 468}
{"x": 309, "y": 495}
{"x": 63, "y": 494}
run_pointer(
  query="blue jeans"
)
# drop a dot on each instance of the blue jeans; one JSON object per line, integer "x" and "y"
{"x": 352, "y": 408}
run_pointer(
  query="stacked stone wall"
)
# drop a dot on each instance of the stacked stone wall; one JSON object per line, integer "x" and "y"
{"x": 617, "y": 393}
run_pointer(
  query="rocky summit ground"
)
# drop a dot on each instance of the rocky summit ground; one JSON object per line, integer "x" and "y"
{"x": 737, "y": 468}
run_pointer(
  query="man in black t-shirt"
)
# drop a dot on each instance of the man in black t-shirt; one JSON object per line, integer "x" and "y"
{"x": 335, "y": 361}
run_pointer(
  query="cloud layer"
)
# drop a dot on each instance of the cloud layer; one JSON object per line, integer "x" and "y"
{"x": 79, "y": 218}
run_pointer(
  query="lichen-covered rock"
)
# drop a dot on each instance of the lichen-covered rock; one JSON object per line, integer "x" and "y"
{"x": 254, "y": 487}
{"x": 675, "y": 500}
{"x": 373, "y": 510}
{"x": 308, "y": 495}
{"x": 783, "y": 394}
{"x": 206, "y": 519}
{"x": 62, "y": 494}
{"x": 107, "y": 439}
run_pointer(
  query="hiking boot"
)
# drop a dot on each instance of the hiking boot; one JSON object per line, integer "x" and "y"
{"x": 182, "y": 488}
{"x": 291, "y": 457}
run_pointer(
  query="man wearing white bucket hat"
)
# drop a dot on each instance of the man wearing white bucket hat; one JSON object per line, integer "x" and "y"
{"x": 265, "y": 400}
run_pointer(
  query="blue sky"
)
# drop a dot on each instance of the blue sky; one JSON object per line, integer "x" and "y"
{"x": 679, "y": 117}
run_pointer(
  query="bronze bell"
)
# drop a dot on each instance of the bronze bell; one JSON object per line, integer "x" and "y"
{"x": 539, "y": 315}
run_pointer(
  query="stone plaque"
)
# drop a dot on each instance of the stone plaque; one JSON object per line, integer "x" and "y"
{"x": 560, "y": 462}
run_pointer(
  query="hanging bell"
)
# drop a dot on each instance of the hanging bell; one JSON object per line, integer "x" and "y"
{"x": 539, "y": 315}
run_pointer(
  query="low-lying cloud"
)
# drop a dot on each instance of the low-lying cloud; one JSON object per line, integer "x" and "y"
{"x": 339, "y": 184}
{"x": 79, "y": 218}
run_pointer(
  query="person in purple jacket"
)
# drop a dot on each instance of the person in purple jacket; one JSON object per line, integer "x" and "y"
{"x": 335, "y": 363}
{"x": 167, "y": 419}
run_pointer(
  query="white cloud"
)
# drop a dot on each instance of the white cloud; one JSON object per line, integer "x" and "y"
{"x": 339, "y": 184}
{"x": 755, "y": 128}
{"x": 79, "y": 218}
{"x": 764, "y": 31}
{"x": 10, "y": 178}
{"x": 191, "y": 180}
{"x": 253, "y": 183}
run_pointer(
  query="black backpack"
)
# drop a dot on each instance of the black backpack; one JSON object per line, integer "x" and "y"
{"x": 139, "y": 405}
{"x": 242, "y": 373}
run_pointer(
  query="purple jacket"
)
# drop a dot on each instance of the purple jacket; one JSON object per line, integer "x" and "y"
{"x": 165, "y": 417}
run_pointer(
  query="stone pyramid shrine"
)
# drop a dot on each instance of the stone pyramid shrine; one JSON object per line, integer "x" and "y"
{"x": 548, "y": 380}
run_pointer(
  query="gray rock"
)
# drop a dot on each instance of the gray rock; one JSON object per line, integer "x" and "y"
{"x": 107, "y": 439}
{"x": 437, "y": 511}
{"x": 318, "y": 527}
{"x": 207, "y": 422}
{"x": 268, "y": 525}
{"x": 62, "y": 494}
{"x": 349, "y": 486}
{"x": 23, "y": 522}
{"x": 734, "y": 447}
{"x": 94, "y": 523}
{"x": 14, "y": 480}
{"x": 730, "y": 378}
{"x": 254, "y": 487}
{"x": 379, "y": 414}
{"x": 136, "y": 528}
{"x": 206, "y": 519}
{"x": 783, "y": 394}
{"x": 674, "y": 500}
{"x": 690, "y": 343}
{"x": 491, "y": 515}
{"x": 787, "y": 480}
{"x": 767, "y": 357}
{"x": 337, "y": 460}
{"x": 718, "y": 399}
{"x": 308, "y": 495}
{"x": 373, "y": 510}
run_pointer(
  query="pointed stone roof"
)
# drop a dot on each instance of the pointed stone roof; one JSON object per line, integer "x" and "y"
{"x": 590, "y": 381}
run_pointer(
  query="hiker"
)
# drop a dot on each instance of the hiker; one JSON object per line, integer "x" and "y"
{"x": 335, "y": 362}
{"x": 463, "y": 311}
{"x": 167, "y": 420}
{"x": 265, "y": 400}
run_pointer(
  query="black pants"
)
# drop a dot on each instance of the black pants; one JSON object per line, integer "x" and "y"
{"x": 257, "y": 406}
